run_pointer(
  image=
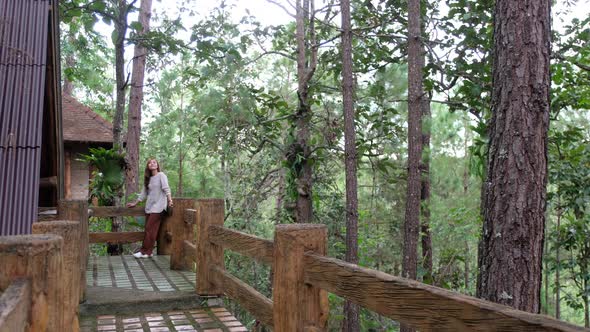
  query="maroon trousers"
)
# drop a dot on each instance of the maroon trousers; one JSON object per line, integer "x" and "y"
{"x": 152, "y": 224}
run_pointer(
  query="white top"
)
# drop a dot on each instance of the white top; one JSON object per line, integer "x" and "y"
{"x": 158, "y": 190}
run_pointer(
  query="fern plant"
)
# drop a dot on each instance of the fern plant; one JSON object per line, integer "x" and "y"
{"x": 108, "y": 175}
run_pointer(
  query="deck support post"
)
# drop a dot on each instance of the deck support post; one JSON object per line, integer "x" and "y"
{"x": 39, "y": 259}
{"x": 78, "y": 210}
{"x": 297, "y": 306}
{"x": 70, "y": 232}
{"x": 210, "y": 212}
{"x": 182, "y": 223}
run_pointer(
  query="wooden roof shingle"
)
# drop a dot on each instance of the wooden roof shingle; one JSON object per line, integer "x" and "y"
{"x": 81, "y": 124}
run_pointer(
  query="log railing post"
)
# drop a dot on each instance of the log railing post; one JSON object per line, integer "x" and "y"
{"x": 165, "y": 240}
{"x": 209, "y": 212}
{"x": 297, "y": 306}
{"x": 181, "y": 230}
{"x": 78, "y": 210}
{"x": 70, "y": 232}
{"x": 38, "y": 258}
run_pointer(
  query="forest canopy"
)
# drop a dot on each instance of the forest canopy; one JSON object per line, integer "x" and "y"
{"x": 247, "y": 105}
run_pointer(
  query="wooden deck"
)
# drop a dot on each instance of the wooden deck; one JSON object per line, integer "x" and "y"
{"x": 128, "y": 272}
{"x": 135, "y": 278}
{"x": 125, "y": 294}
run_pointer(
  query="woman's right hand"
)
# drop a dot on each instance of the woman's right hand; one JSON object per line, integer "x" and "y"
{"x": 130, "y": 205}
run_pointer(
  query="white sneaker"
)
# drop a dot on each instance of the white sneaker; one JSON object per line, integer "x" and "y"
{"x": 140, "y": 255}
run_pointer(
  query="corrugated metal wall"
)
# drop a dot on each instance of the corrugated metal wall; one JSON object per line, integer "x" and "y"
{"x": 23, "y": 55}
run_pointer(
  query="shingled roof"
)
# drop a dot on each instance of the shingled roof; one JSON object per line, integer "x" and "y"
{"x": 81, "y": 124}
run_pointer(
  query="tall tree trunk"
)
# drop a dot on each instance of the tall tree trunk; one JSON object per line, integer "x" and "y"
{"x": 415, "y": 97}
{"x": 466, "y": 272}
{"x": 545, "y": 308}
{"x": 351, "y": 310}
{"x": 300, "y": 152}
{"x": 586, "y": 306}
{"x": 227, "y": 189}
{"x": 181, "y": 152}
{"x": 558, "y": 266}
{"x": 68, "y": 86}
{"x": 120, "y": 31}
{"x": 280, "y": 196}
{"x": 511, "y": 247}
{"x": 425, "y": 193}
{"x": 136, "y": 101}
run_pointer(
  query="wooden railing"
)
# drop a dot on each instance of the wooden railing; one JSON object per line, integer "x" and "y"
{"x": 302, "y": 276}
{"x": 115, "y": 237}
{"x": 33, "y": 293}
{"x": 180, "y": 223}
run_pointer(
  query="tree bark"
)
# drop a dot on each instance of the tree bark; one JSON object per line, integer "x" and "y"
{"x": 68, "y": 86}
{"x": 119, "y": 42}
{"x": 466, "y": 273}
{"x": 280, "y": 196}
{"x": 121, "y": 31}
{"x": 425, "y": 193}
{"x": 181, "y": 152}
{"x": 415, "y": 97}
{"x": 510, "y": 251}
{"x": 558, "y": 267}
{"x": 300, "y": 151}
{"x": 545, "y": 308}
{"x": 351, "y": 311}
{"x": 586, "y": 306}
{"x": 227, "y": 188}
{"x": 136, "y": 101}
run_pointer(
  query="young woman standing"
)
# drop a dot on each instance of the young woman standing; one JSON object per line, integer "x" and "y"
{"x": 157, "y": 192}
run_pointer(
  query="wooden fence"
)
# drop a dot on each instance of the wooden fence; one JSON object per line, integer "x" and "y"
{"x": 302, "y": 276}
{"x": 31, "y": 281}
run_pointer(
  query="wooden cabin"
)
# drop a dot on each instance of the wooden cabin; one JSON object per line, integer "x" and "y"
{"x": 82, "y": 129}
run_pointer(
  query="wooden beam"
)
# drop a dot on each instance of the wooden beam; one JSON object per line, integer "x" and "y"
{"x": 422, "y": 306}
{"x": 78, "y": 210}
{"x": 69, "y": 230}
{"x": 250, "y": 299}
{"x": 118, "y": 237}
{"x": 209, "y": 212}
{"x": 297, "y": 305}
{"x": 68, "y": 175}
{"x": 190, "y": 216}
{"x": 245, "y": 244}
{"x": 15, "y": 304}
{"x": 182, "y": 231}
{"x": 48, "y": 182}
{"x": 39, "y": 259}
{"x": 190, "y": 250}
{"x": 114, "y": 211}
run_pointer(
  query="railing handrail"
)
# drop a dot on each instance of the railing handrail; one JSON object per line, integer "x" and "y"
{"x": 254, "y": 247}
{"x": 422, "y": 306}
{"x": 303, "y": 271}
{"x": 116, "y": 237}
{"x": 115, "y": 211}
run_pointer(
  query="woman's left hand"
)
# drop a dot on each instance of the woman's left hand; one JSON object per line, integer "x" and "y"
{"x": 170, "y": 202}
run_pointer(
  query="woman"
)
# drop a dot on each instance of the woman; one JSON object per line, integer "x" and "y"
{"x": 157, "y": 192}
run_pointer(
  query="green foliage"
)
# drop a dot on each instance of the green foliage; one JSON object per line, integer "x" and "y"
{"x": 573, "y": 235}
{"x": 220, "y": 116}
{"x": 570, "y": 69}
{"x": 569, "y": 175}
{"x": 108, "y": 176}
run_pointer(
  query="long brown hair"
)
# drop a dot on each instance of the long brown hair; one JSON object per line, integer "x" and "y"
{"x": 147, "y": 174}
